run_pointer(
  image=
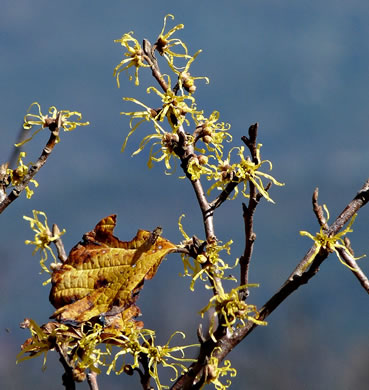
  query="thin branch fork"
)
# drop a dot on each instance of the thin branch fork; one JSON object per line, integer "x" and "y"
{"x": 226, "y": 343}
{"x": 298, "y": 278}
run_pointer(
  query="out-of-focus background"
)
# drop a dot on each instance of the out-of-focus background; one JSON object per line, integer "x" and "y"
{"x": 300, "y": 69}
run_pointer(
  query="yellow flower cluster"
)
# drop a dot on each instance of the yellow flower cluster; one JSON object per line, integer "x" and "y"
{"x": 178, "y": 109}
{"x": 175, "y": 107}
{"x": 18, "y": 175}
{"x": 53, "y": 120}
{"x": 91, "y": 346}
{"x": 208, "y": 265}
{"x": 134, "y": 54}
{"x": 243, "y": 172}
{"x": 231, "y": 309}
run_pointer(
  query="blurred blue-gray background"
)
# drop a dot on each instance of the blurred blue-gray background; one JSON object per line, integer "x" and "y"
{"x": 300, "y": 69}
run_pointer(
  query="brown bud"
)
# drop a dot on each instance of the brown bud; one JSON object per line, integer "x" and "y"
{"x": 78, "y": 374}
{"x": 202, "y": 159}
{"x": 207, "y": 139}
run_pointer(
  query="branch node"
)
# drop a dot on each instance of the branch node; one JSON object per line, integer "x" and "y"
{"x": 318, "y": 210}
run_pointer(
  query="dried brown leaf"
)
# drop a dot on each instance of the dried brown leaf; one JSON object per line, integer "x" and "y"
{"x": 103, "y": 275}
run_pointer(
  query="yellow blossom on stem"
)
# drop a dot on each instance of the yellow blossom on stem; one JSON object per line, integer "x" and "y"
{"x": 247, "y": 170}
{"x": 185, "y": 80}
{"x": 164, "y": 43}
{"x": 41, "y": 341}
{"x": 146, "y": 115}
{"x": 212, "y": 132}
{"x": 231, "y": 309}
{"x": 18, "y": 174}
{"x": 207, "y": 265}
{"x": 166, "y": 143}
{"x": 174, "y": 107}
{"x": 189, "y": 268}
{"x": 163, "y": 148}
{"x": 167, "y": 357}
{"x": 197, "y": 166}
{"x": 243, "y": 172}
{"x": 213, "y": 372}
{"x": 223, "y": 174}
{"x": 135, "y": 56}
{"x": 129, "y": 344}
{"x": 322, "y": 240}
{"x": 86, "y": 353}
{"x": 53, "y": 120}
{"x": 42, "y": 239}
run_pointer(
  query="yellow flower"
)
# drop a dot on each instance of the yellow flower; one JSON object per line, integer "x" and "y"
{"x": 211, "y": 132}
{"x": 231, "y": 308}
{"x": 129, "y": 342}
{"x": 164, "y": 147}
{"x": 166, "y": 356}
{"x": 167, "y": 145}
{"x": 174, "y": 107}
{"x": 54, "y": 120}
{"x": 41, "y": 341}
{"x": 78, "y": 342}
{"x": 135, "y": 58}
{"x": 223, "y": 174}
{"x": 18, "y": 174}
{"x": 247, "y": 170}
{"x": 330, "y": 244}
{"x": 185, "y": 80}
{"x": 213, "y": 372}
{"x": 164, "y": 43}
{"x": 207, "y": 265}
{"x": 197, "y": 166}
{"x": 147, "y": 115}
{"x": 242, "y": 172}
{"x": 43, "y": 238}
{"x": 86, "y": 353}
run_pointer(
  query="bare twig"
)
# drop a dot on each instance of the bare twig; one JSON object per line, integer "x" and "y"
{"x": 92, "y": 380}
{"x": 223, "y": 196}
{"x": 318, "y": 210}
{"x": 248, "y": 212}
{"x": 358, "y": 273}
{"x": 145, "y": 376}
{"x": 250, "y": 141}
{"x": 250, "y": 236}
{"x": 68, "y": 379}
{"x": 152, "y": 61}
{"x": 62, "y": 256}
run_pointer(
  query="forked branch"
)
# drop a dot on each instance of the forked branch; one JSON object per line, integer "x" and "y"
{"x": 300, "y": 276}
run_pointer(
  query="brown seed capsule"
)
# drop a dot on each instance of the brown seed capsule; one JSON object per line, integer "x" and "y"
{"x": 206, "y": 130}
{"x": 78, "y": 374}
{"x": 207, "y": 139}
